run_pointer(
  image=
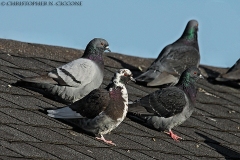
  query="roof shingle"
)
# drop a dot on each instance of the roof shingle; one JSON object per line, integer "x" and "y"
{"x": 212, "y": 132}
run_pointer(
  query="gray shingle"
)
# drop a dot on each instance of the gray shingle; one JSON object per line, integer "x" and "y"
{"x": 27, "y": 150}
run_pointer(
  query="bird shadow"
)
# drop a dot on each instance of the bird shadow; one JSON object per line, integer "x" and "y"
{"x": 227, "y": 152}
{"x": 141, "y": 121}
{"x": 212, "y": 75}
{"x": 38, "y": 90}
{"x": 31, "y": 87}
{"x": 232, "y": 84}
{"x": 134, "y": 69}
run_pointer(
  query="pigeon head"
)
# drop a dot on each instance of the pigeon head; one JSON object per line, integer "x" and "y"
{"x": 187, "y": 82}
{"x": 122, "y": 77}
{"x": 96, "y": 47}
{"x": 190, "y": 32}
{"x": 190, "y": 76}
{"x": 101, "y": 44}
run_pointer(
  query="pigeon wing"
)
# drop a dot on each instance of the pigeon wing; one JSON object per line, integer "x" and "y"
{"x": 165, "y": 102}
{"x": 93, "y": 104}
{"x": 76, "y": 73}
{"x": 177, "y": 60}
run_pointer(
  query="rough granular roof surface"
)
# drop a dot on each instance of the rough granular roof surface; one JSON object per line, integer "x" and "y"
{"x": 26, "y": 132}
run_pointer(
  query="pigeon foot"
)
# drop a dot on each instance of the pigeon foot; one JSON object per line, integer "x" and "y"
{"x": 174, "y": 136}
{"x": 106, "y": 141}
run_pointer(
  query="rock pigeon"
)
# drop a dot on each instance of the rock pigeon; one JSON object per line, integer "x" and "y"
{"x": 102, "y": 110}
{"x": 76, "y": 79}
{"x": 170, "y": 106}
{"x": 174, "y": 59}
{"x": 233, "y": 74}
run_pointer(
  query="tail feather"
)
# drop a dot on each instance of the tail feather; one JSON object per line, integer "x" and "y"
{"x": 157, "y": 78}
{"x": 66, "y": 113}
{"x": 33, "y": 85}
{"x": 40, "y": 79}
{"x": 147, "y": 76}
{"x": 137, "y": 109}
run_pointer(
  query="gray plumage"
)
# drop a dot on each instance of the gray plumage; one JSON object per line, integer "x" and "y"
{"x": 76, "y": 79}
{"x": 233, "y": 74}
{"x": 171, "y": 106}
{"x": 102, "y": 110}
{"x": 174, "y": 59}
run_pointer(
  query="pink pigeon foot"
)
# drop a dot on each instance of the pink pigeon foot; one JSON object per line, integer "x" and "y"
{"x": 106, "y": 141}
{"x": 174, "y": 136}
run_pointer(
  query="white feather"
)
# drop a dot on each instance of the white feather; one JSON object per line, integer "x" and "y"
{"x": 130, "y": 102}
{"x": 65, "y": 112}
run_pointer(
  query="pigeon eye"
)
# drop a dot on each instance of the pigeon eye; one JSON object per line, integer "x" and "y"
{"x": 194, "y": 72}
{"x": 102, "y": 43}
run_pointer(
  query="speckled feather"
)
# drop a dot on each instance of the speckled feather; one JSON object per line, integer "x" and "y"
{"x": 101, "y": 110}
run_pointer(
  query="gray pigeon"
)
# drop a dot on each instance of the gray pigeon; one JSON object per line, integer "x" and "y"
{"x": 76, "y": 79}
{"x": 102, "y": 110}
{"x": 168, "y": 107}
{"x": 233, "y": 74}
{"x": 174, "y": 59}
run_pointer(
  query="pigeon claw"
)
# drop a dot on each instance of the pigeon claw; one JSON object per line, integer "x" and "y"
{"x": 174, "y": 136}
{"x": 106, "y": 141}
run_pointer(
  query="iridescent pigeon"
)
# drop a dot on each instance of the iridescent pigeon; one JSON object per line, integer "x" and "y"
{"x": 174, "y": 59}
{"x": 168, "y": 107}
{"x": 102, "y": 110}
{"x": 233, "y": 74}
{"x": 76, "y": 79}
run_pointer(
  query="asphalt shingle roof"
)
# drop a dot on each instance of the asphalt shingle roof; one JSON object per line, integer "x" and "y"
{"x": 26, "y": 132}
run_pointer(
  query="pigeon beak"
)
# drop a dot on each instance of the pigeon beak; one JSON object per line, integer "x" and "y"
{"x": 107, "y": 48}
{"x": 132, "y": 79}
{"x": 201, "y": 76}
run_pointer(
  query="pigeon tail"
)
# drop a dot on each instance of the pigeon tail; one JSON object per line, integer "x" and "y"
{"x": 147, "y": 76}
{"x": 40, "y": 79}
{"x": 157, "y": 78}
{"x": 66, "y": 113}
